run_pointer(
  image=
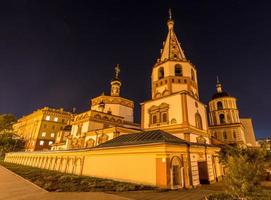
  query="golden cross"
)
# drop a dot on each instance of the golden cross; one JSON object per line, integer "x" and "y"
{"x": 170, "y": 14}
{"x": 117, "y": 71}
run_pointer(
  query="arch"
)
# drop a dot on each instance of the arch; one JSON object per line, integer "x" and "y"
{"x": 192, "y": 75}
{"x": 176, "y": 173}
{"x": 90, "y": 143}
{"x": 164, "y": 117}
{"x": 222, "y": 118}
{"x": 178, "y": 70}
{"x": 219, "y": 105}
{"x": 225, "y": 135}
{"x": 77, "y": 167}
{"x": 154, "y": 119}
{"x": 165, "y": 92}
{"x": 97, "y": 116}
{"x": 70, "y": 165}
{"x": 161, "y": 73}
{"x": 198, "y": 121}
{"x": 157, "y": 95}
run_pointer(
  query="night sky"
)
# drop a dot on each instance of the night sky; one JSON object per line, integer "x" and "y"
{"x": 63, "y": 53}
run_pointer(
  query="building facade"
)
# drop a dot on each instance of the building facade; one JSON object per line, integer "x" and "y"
{"x": 39, "y": 129}
{"x": 226, "y": 126}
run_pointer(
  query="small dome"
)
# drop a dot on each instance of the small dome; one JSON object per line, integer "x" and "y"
{"x": 220, "y": 95}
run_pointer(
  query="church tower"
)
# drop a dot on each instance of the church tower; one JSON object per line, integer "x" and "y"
{"x": 175, "y": 105}
{"x": 114, "y": 104}
{"x": 173, "y": 72}
{"x": 225, "y": 124}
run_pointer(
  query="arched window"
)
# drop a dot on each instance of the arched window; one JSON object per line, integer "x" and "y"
{"x": 224, "y": 135}
{"x": 234, "y": 134}
{"x": 161, "y": 73}
{"x": 222, "y": 118}
{"x": 164, "y": 117}
{"x": 154, "y": 119}
{"x": 192, "y": 74}
{"x": 219, "y": 105}
{"x": 198, "y": 121}
{"x": 178, "y": 70}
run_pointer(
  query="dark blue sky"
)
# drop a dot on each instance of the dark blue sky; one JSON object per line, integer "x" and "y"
{"x": 63, "y": 53}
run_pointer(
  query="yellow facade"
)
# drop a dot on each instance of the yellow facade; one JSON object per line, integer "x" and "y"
{"x": 40, "y": 128}
{"x": 144, "y": 164}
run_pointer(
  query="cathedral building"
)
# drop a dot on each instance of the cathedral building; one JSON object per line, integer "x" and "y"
{"x": 171, "y": 148}
{"x": 225, "y": 124}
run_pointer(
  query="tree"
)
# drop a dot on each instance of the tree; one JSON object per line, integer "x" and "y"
{"x": 6, "y": 122}
{"x": 9, "y": 143}
{"x": 245, "y": 169}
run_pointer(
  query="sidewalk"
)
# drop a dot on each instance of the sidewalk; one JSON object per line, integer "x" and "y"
{"x": 14, "y": 187}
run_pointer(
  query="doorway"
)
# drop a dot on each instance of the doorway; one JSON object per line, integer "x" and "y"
{"x": 203, "y": 172}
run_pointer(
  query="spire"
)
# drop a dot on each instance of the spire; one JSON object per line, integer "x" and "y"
{"x": 218, "y": 85}
{"x": 172, "y": 49}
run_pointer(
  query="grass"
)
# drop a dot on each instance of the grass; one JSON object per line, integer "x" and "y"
{"x": 60, "y": 182}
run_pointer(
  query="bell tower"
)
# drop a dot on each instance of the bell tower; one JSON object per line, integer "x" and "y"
{"x": 115, "y": 83}
{"x": 172, "y": 72}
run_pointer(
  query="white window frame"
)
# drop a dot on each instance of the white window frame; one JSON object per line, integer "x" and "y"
{"x": 43, "y": 134}
{"x": 52, "y": 135}
{"x": 56, "y": 119}
{"x": 47, "y": 118}
{"x": 41, "y": 142}
{"x": 51, "y": 142}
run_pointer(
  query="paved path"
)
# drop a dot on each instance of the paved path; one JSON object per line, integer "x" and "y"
{"x": 14, "y": 187}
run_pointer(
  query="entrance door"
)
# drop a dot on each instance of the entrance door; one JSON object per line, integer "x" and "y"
{"x": 203, "y": 172}
{"x": 176, "y": 171}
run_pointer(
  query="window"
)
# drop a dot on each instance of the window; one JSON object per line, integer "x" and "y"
{"x": 164, "y": 117}
{"x": 63, "y": 120}
{"x": 161, "y": 73}
{"x": 215, "y": 134}
{"x": 41, "y": 143}
{"x": 192, "y": 74}
{"x": 172, "y": 80}
{"x": 50, "y": 142}
{"x": 178, "y": 70}
{"x": 52, "y": 134}
{"x": 234, "y": 134}
{"x": 219, "y": 105}
{"x": 198, "y": 121}
{"x": 47, "y": 118}
{"x": 53, "y": 127}
{"x": 45, "y": 125}
{"x": 56, "y": 119}
{"x": 154, "y": 119}
{"x": 222, "y": 118}
{"x": 43, "y": 134}
{"x": 224, "y": 135}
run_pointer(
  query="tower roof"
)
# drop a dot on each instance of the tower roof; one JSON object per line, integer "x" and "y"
{"x": 172, "y": 49}
{"x": 219, "y": 93}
